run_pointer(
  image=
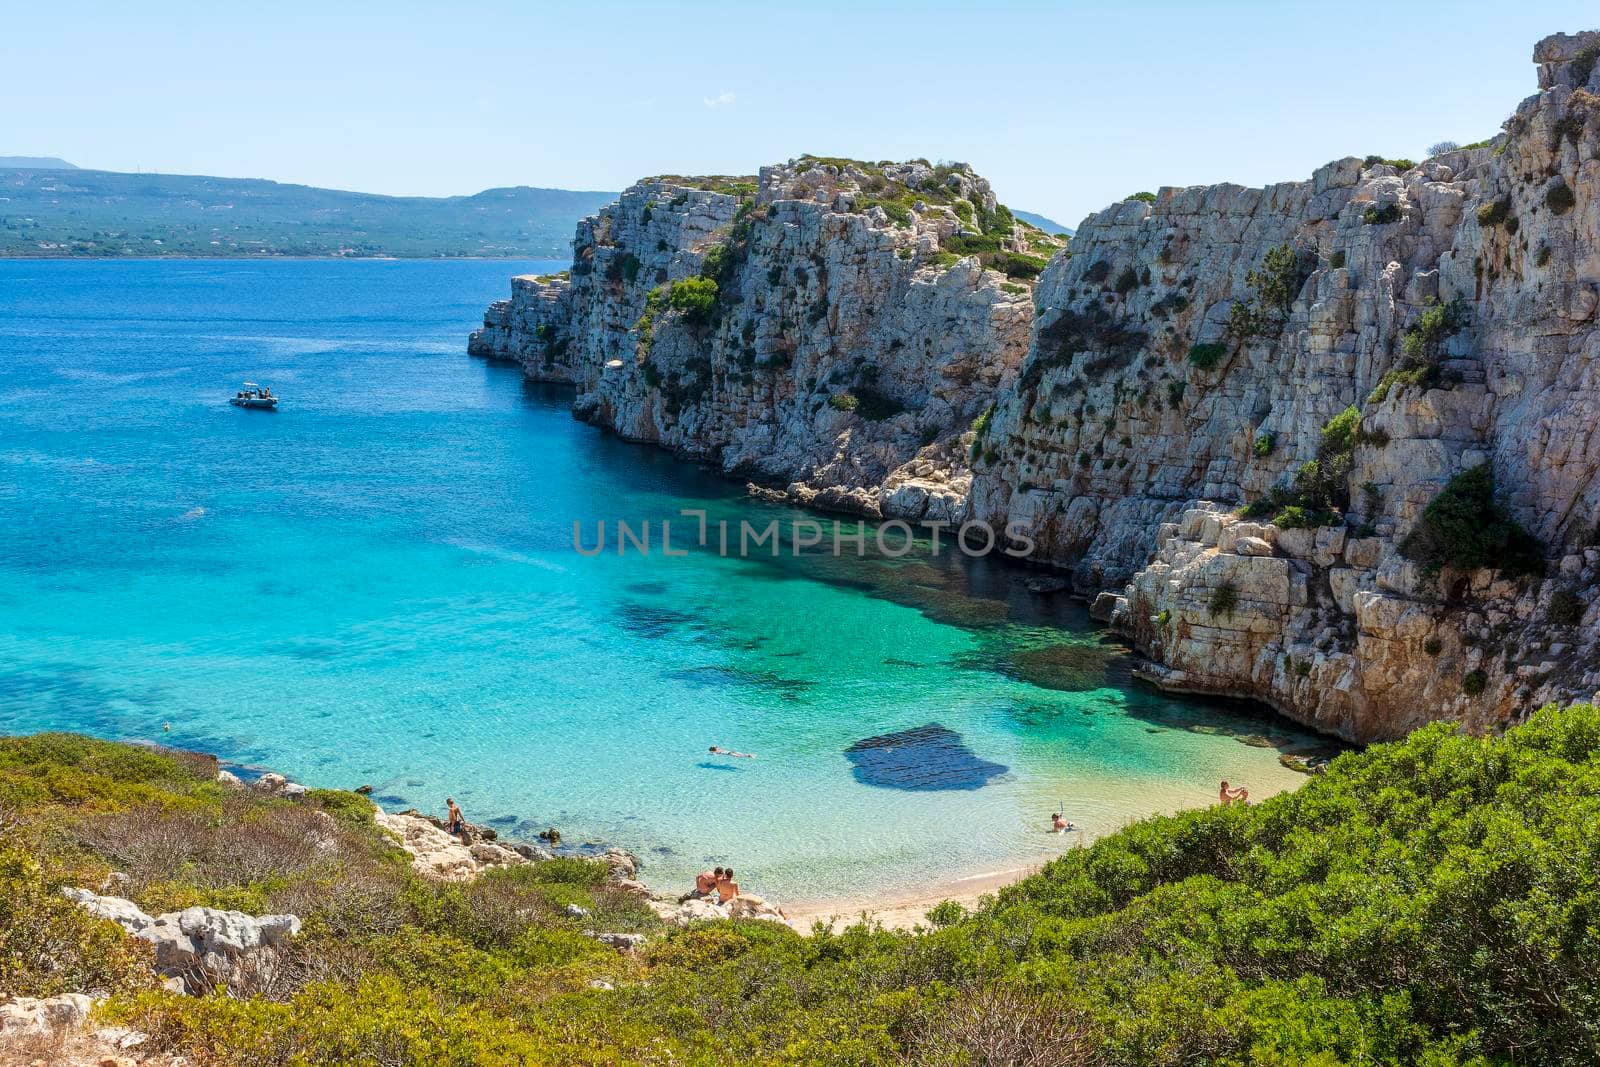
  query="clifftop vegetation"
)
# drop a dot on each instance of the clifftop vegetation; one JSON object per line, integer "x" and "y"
{"x": 1428, "y": 901}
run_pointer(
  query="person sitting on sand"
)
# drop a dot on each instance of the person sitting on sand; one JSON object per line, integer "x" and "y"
{"x": 455, "y": 822}
{"x": 718, "y": 750}
{"x": 1231, "y": 794}
{"x": 705, "y": 883}
{"x": 727, "y": 888}
{"x": 1060, "y": 824}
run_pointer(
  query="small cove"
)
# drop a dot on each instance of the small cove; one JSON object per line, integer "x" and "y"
{"x": 377, "y": 585}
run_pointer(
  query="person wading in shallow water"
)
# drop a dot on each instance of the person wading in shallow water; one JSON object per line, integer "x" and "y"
{"x": 1233, "y": 794}
{"x": 455, "y": 822}
{"x": 1060, "y": 824}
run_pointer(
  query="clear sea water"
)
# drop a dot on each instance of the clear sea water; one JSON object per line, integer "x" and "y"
{"x": 376, "y": 584}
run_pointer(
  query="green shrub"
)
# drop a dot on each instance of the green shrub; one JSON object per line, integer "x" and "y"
{"x": 1381, "y": 214}
{"x": 1401, "y": 165}
{"x": 630, "y": 268}
{"x": 1224, "y": 600}
{"x": 49, "y": 945}
{"x": 1264, "y": 444}
{"x": 1463, "y": 527}
{"x": 1342, "y": 433}
{"x": 875, "y": 405}
{"x": 1433, "y": 646}
{"x": 1164, "y": 618}
{"x": 1474, "y": 683}
{"x": 1560, "y": 199}
{"x": 1207, "y": 356}
{"x": 695, "y": 297}
{"x": 980, "y": 425}
{"x": 1422, "y": 339}
{"x": 1336, "y": 260}
{"x": 1495, "y": 212}
{"x": 1417, "y": 376}
{"x": 1017, "y": 264}
{"x": 1097, "y": 272}
{"x": 1091, "y": 330}
{"x": 1147, "y": 197}
{"x": 845, "y": 402}
{"x": 1275, "y": 285}
{"x": 1566, "y": 608}
{"x": 1582, "y": 66}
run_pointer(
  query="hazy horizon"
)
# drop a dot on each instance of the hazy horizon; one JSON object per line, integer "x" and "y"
{"x": 1064, "y": 109}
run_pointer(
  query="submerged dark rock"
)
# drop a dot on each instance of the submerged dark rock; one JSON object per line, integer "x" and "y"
{"x": 923, "y": 758}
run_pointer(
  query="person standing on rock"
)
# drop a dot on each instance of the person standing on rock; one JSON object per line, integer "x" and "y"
{"x": 455, "y": 822}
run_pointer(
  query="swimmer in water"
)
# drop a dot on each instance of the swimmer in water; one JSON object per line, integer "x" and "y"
{"x": 1059, "y": 824}
{"x": 717, "y": 750}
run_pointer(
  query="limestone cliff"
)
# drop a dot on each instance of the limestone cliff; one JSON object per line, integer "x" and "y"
{"x": 1193, "y": 355}
{"x": 832, "y": 327}
{"x": 1328, "y": 444}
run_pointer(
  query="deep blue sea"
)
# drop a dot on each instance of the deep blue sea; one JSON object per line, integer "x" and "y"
{"x": 376, "y": 584}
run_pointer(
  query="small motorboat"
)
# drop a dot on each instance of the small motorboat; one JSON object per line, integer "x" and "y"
{"x": 254, "y": 396}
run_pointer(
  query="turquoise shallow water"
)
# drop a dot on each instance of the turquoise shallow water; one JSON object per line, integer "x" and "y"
{"x": 377, "y": 584}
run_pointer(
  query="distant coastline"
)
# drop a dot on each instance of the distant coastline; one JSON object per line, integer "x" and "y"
{"x": 64, "y": 212}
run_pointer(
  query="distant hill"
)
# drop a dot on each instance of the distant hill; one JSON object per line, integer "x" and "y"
{"x": 73, "y": 212}
{"x": 1047, "y": 225}
{"x": 34, "y": 163}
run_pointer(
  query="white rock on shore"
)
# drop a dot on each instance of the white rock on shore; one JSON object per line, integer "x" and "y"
{"x": 196, "y": 945}
{"x": 436, "y": 853}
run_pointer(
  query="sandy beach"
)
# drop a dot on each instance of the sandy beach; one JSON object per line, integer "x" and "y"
{"x": 902, "y": 911}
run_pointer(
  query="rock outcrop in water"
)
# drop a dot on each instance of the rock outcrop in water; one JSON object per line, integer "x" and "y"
{"x": 1328, "y": 444}
{"x": 832, "y": 327}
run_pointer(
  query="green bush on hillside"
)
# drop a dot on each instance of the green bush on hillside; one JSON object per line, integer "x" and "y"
{"x": 695, "y": 297}
{"x": 1432, "y": 901}
{"x": 1465, "y": 528}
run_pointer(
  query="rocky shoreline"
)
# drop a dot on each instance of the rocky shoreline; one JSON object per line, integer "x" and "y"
{"x": 1325, "y": 445}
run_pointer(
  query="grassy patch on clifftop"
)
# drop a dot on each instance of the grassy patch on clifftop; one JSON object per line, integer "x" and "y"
{"x": 1434, "y": 901}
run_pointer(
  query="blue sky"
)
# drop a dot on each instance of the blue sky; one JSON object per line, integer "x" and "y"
{"x": 1065, "y": 107}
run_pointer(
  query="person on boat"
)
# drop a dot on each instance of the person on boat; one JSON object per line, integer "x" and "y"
{"x": 705, "y": 883}
{"x": 455, "y": 822}
{"x": 1233, "y": 794}
{"x": 718, "y": 750}
{"x": 1060, "y": 824}
{"x": 727, "y": 888}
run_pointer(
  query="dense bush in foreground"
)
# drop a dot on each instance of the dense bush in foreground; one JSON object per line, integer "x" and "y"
{"x": 1432, "y": 901}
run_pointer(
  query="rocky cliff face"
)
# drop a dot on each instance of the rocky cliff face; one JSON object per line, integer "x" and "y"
{"x": 1395, "y": 328}
{"x": 832, "y": 327}
{"x": 1328, "y": 444}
